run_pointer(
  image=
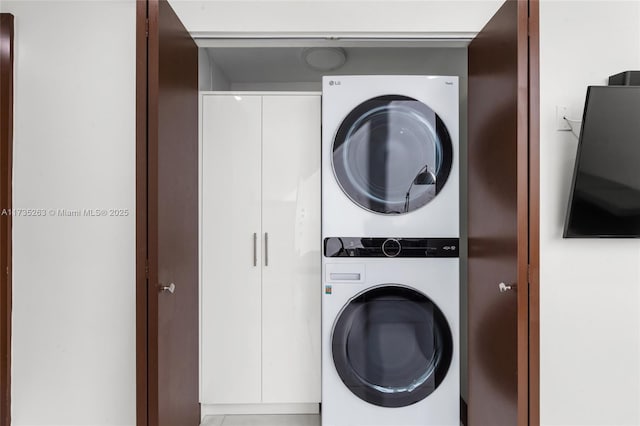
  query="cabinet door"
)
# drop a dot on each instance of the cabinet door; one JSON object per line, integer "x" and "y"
{"x": 231, "y": 260}
{"x": 291, "y": 266}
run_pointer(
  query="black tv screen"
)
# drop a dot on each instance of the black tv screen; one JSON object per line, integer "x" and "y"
{"x": 605, "y": 193}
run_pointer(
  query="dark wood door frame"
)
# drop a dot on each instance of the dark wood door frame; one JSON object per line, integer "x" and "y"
{"x": 166, "y": 219}
{"x": 508, "y": 47}
{"x": 142, "y": 60}
{"x": 529, "y": 302}
{"x": 528, "y": 383}
{"x": 533, "y": 322}
{"x": 6, "y": 152}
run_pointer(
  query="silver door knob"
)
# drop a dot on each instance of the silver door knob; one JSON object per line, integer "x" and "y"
{"x": 506, "y": 287}
{"x": 171, "y": 288}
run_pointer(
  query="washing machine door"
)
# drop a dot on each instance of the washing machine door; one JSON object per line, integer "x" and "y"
{"x": 391, "y": 346}
{"x": 392, "y": 155}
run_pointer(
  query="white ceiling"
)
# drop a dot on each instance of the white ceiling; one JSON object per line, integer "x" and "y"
{"x": 285, "y": 64}
{"x": 355, "y": 18}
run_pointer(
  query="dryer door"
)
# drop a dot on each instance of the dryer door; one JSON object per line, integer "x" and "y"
{"x": 392, "y": 154}
{"x": 391, "y": 346}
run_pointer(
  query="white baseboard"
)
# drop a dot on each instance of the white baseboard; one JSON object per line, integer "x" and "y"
{"x": 218, "y": 409}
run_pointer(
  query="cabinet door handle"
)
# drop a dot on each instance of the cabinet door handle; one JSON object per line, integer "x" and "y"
{"x": 171, "y": 288}
{"x": 266, "y": 249}
{"x": 255, "y": 249}
{"x": 506, "y": 287}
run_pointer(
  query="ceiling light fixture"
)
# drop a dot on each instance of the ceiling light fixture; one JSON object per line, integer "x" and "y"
{"x": 324, "y": 58}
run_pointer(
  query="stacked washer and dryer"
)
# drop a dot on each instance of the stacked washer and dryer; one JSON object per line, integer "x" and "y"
{"x": 390, "y": 229}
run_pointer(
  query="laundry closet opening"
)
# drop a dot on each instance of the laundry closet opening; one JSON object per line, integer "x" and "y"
{"x": 278, "y": 80}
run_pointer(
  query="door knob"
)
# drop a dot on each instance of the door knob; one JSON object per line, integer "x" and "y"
{"x": 506, "y": 287}
{"x": 171, "y": 288}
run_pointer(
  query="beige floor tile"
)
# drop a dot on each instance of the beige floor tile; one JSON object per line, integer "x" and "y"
{"x": 212, "y": 421}
{"x": 272, "y": 420}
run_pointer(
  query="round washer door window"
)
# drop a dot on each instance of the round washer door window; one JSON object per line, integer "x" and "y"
{"x": 391, "y": 346}
{"x": 392, "y": 154}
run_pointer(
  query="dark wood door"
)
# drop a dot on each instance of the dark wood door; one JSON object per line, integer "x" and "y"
{"x": 167, "y": 220}
{"x": 6, "y": 148}
{"x": 500, "y": 86}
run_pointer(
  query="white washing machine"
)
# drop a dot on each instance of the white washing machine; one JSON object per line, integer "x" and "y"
{"x": 390, "y": 332}
{"x": 390, "y": 156}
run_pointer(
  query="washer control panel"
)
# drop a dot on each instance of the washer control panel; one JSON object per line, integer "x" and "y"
{"x": 391, "y": 247}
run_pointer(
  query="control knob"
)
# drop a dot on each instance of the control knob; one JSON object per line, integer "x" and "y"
{"x": 391, "y": 247}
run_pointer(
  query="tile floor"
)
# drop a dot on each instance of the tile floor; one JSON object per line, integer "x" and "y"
{"x": 263, "y": 420}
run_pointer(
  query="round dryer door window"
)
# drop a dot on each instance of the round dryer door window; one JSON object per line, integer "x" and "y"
{"x": 392, "y": 155}
{"x": 391, "y": 346}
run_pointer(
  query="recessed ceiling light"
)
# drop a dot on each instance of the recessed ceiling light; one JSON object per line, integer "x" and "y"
{"x": 324, "y": 58}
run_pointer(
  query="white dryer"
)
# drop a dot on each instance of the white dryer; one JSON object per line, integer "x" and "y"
{"x": 390, "y": 332}
{"x": 390, "y": 156}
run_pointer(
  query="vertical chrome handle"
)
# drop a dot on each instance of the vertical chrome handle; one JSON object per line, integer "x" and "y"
{"x": 266, "y": 249}
{"x": 255, "y": 249}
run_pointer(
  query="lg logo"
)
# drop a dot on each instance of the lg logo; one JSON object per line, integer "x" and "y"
{"x": 334, "y": 83}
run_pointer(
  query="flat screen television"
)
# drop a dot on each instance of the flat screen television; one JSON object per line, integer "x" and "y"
{"x": 605, "y": 192}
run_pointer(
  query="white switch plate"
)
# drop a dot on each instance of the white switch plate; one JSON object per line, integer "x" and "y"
{"x": 561, "y": 124}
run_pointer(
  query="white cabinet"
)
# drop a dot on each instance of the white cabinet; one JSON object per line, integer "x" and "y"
{"x": 291, "y": 218}
{"x": 231, "y": 299}
{"x": 260, "y": 300}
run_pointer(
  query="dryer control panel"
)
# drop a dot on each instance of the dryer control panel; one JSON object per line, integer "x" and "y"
{"x": 391, "y": 247}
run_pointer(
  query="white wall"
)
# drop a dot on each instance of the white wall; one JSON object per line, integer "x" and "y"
{"x": 590, "y": 298}
{"x": 74, "y": 287}
{"x": 210, "y": 76}
{"x": 204, "y": 71}
{"x": 74, "y": 277}
{"x": 219, "y": 81}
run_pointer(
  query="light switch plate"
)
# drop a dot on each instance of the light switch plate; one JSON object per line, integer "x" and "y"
{"x": 561, "y": 124}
